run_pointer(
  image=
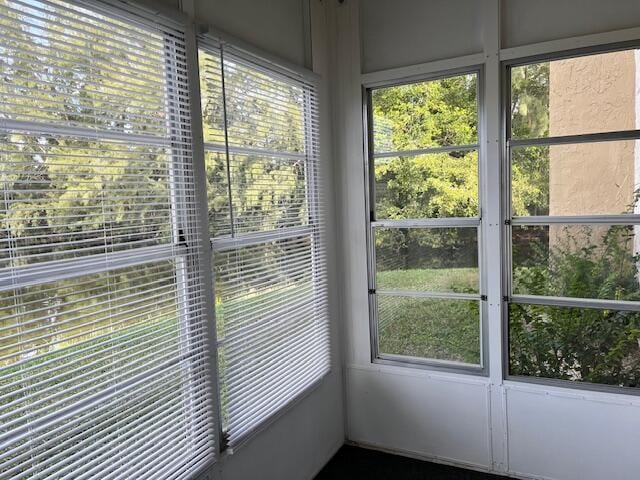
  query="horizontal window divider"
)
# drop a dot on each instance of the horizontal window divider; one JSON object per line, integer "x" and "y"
{"x": 437, "y": 295}
{"x": 580, "y": 138}
{"x": 576, "y": 302}
{"x": 428, "y": 222}
{"x": 623, "y": 219}
{"x": 251, "y": 239}
{"x": 235, "y": 150}
{"x": 47, "y": 272}
{"x": 425, "y": 151}
{"x": 403, "y": 360}
{"x": 49, "y": 129}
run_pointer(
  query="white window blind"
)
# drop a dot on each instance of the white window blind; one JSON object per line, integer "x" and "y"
{"x": 104, "y": 363}
{"x": 261, "y": 133}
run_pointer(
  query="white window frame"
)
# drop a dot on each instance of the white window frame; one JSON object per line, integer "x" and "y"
{"x": 212, "y": 39}
{"x": 398, "y": 77}
{"x": 185, "y": 231}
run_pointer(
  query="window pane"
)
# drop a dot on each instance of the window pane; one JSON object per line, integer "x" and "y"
{"x": 70, "y": 197}
{"x": 429, "y": 328}
{"x": 218, "y": 194}
{"x": 588, "y": 94}
{"x": 263, "y": 110}
{"x": 585, "y": 261}
{"x": 268, "y": 193}
{"x": 79, "y": 338}
{"x": 575, "y": 179}
{"x": 427, "y": 186}
{"x": 270, "y": 327}
{"x": 577, "y": 344}
{"x": 40, "y": 320}
{"x": 211, "y": 96}
{"x": 68, "y": 73}
{"x": 425, "y": 114}
{"x": 420, "y": 259}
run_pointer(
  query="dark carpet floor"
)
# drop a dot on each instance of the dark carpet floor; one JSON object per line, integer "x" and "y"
{"x": 353, "y": 463}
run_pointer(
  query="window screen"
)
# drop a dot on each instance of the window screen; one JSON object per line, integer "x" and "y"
{"x": 573, "y": 219}
{"x": 103, "y": 339}
{"x": 265, "y": 217}
{"x": 424, "y": 283}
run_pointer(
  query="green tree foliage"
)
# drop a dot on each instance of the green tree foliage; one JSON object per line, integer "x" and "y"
{"x": 529, "y": 114}
{"x": 263, "y": 112}
{"x": 420, "y": 115}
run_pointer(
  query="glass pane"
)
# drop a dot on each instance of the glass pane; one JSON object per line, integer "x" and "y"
{"x": 575, "y": 179}
{"x": 218, "y": 194}
{"x": 585, "y": 261}
{"x": 211, "y": 96}
{"x": 55, "y": 73}
{"x": 77, "y": 339}
{"x": 266, "y": 307}
{"x": 429, "y": 328}
{"x": 70, "y": 197}
{"x": 41, "y": 321}
{"x": 268, "y": 193}
{"x": 425, "y": 114}
{"x": 588, "y": 94}
{"x": 421, "y": 259}
{"x": 427, "y": 186}
{"x": 263, "y": 110}
{"x": 578, "y": 344}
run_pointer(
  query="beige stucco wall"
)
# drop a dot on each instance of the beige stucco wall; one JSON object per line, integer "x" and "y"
{"x": 587, "y": 95}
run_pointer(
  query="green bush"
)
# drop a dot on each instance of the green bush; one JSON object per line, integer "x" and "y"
{"x": 580, "y": 344}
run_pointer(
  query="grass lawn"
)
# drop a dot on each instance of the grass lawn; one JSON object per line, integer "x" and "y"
{"x": 440, "y": 329}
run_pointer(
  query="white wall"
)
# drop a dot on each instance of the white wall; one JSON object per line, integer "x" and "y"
{"x": 276, "y": 26}
{"x": 527, "y": 22}
{"x": 406, "y": 32}
{"x": 521, "y": 429}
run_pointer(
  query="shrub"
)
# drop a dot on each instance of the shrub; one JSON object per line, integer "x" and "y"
{"x": 580, "y": 344}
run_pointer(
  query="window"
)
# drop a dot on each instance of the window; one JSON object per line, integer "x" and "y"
{"x": 425, "y": 279}
{"x": 103, "y": 337}
{"x": 265, "y": 214}
{"x": 573, "y": 148}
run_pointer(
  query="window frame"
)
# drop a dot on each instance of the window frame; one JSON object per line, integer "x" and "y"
{"x": 185, "y": 246}
{"x": 508, "y": 220}
{"x": 477, "y": 222}
{"x": 213, "y": 40}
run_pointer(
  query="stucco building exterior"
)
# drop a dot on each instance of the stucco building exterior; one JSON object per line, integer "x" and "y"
{"x": 593, "y": 94}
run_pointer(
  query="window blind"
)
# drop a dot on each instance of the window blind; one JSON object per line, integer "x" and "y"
{"x": 104, "y": 361}
{"x": 265, "y": 215}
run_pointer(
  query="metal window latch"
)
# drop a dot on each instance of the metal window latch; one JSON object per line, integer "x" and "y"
{"x": 507, "y": 222}
{"x": 505, "y": 298}
{"x": 484, "y": 298}
{"x": 372, "y": 291}
{"x": 182, "y": 240}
